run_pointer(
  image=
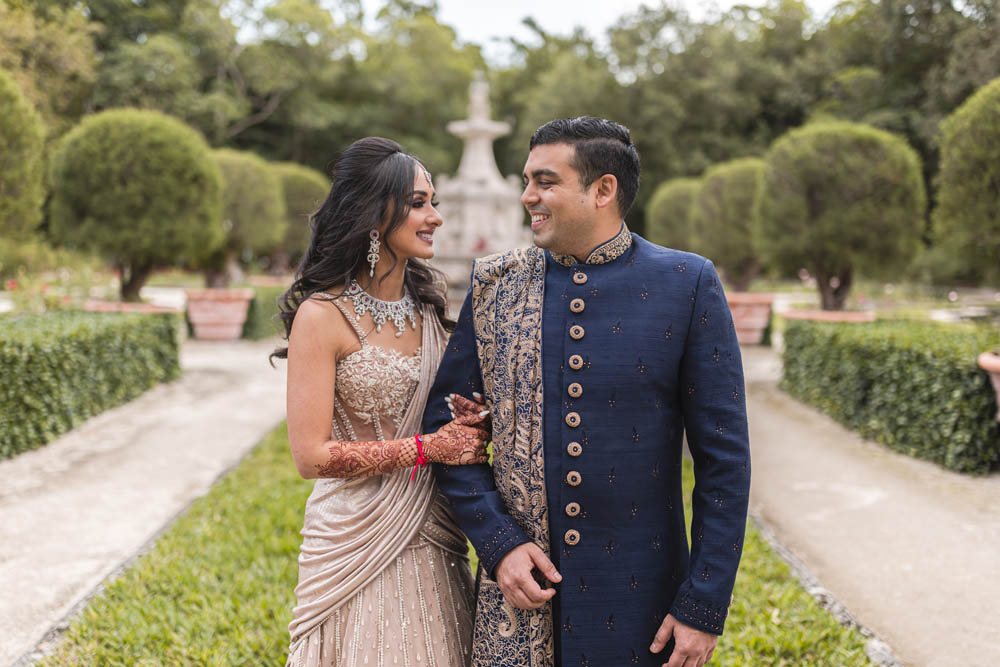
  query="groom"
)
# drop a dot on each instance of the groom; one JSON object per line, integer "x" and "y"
{"x": 596, "y": 352}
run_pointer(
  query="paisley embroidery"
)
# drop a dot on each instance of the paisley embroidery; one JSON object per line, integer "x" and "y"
{"x": 507, "y": 292}
{"x": 604, "y": 253}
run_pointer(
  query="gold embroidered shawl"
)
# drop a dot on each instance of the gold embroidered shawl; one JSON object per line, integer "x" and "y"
{"x": 507, "y": 292}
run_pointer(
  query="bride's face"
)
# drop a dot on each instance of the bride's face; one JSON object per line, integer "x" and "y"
{"x": 414, "y": 237}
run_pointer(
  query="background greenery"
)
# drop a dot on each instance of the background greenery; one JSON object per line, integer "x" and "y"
{"x": 218, "y": 588}
{"x": 46, "y": 358}
{"x": 913, "y": 386}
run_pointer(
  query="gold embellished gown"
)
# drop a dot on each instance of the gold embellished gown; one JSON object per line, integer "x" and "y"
{"x": 383, "y": 574}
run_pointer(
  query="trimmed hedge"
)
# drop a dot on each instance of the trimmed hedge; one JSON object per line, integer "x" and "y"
{"x": 912, "y": 386}
{"x": 262, "y": 317}
{"x": 59, "y": 369}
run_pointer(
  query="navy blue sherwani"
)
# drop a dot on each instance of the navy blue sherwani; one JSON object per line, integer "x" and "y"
{"x": 637, "y": 348}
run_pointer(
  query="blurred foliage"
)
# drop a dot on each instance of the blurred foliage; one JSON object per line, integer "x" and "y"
{"x": 305, "y": 190}
{"x": 967, "y": 217}
{"x": 45, "y": 357}
{"x": 253, "y": 213}
{"x": 668, "y": 216}
{"x": 21, "y": 169}
{"x": 298, "y": 80}
{"x": 138, "y": 187}
{"x": 724, "y": 218}
{"x": 841, "y": 199}
{"x": 262, "y": 317}
{"x": 909, "y": 385}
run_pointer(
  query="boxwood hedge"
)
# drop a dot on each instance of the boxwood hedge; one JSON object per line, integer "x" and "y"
{"x": 59, "y": 369}
{"x": 262, "y": 317}
{"x": 912, "y": 386}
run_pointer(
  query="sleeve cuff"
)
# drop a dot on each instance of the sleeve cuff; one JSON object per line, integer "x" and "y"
{"x": 699, "y": 614}
{"x": 503, "y": 541}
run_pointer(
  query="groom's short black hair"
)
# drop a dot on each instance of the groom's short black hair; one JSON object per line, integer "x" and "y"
{"x": 601, "y": 147}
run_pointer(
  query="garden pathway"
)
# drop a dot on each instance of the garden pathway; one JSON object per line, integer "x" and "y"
{"x": 910, "y": 549}
{"x": 73, "y": 512}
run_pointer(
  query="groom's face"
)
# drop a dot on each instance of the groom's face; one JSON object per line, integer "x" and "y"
{"x": 562, "y": 210}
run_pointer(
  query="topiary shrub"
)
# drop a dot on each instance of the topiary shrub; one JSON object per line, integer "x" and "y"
{"x": 840, "y": 198}
{"x": 912, "y": 386}
{"x": 967, "y": 215}
{"x": 60, "y": 369}
{"x": 253, "y": 213}
{"x": 21, "y": 141}
{"x": 668, "y": 215}
{"x": 304, "y": 190}
{"x": 139, "y": 188}
{"x": 262, "y": 320}
{"x": 724, "y": 218}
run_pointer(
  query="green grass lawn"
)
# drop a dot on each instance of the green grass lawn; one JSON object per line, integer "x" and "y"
{"x": 217, "y": 588}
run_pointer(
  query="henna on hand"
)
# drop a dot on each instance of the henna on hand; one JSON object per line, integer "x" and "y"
{"x": 365, "y": 459}
{"x": 459, "y": 442}
{"x": 461, "y": 406}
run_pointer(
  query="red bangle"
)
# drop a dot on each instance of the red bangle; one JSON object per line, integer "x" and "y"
{"x": 421, "y": 459}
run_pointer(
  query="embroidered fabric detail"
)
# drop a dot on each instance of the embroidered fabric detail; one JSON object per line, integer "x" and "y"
{"x": 375, "y": 383}
{"x": 699, "y": 614}
{"x": 507, "y": 294}
{"x": 604, "y": 253}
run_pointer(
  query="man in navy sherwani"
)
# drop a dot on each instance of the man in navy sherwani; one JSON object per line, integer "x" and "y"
{"x": 596, "y": 352}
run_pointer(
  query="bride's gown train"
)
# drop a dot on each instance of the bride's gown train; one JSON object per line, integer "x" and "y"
{"x": 383, "y": 574}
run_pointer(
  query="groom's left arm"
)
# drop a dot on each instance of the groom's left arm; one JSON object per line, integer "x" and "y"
{"x": 470, "y": 489}
{"x": 714, "y": 408}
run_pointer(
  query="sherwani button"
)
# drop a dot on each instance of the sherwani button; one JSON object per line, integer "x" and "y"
{"x": 572, "y": 509}
{"x": 576, "y": 332}
{"x": 577, "y": 305}
{"x": 574, "y": 449}
{"x": 573, "y": 478}
{"x": 579, "y": 277}
{"x": 572, "y": 537}
{"x": 576, "y": 362}
{"x": 573, "y": 419}
{"x": 575, "y": 390}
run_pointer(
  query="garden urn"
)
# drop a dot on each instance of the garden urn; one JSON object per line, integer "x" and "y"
{"x": 751, "y": 315}
{"x": 218, "y": 313}
{"x": 990, "y": 362}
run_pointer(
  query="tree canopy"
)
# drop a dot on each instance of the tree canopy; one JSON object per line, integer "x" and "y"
{"x": 21, "y": 170}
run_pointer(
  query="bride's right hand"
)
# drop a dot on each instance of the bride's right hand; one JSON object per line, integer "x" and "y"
{"x": 461, "y": 441}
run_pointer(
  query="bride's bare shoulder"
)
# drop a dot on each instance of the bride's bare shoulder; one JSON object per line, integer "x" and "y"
{"x": 319, "y": 321}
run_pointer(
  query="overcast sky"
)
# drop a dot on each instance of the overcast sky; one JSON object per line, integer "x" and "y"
{"x": 479, "y": 22}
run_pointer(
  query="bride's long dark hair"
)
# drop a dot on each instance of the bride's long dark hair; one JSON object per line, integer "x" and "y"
{"x": 372, "y": 180}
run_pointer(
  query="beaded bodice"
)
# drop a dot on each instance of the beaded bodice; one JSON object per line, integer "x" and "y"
{"x": 374, "y": 386}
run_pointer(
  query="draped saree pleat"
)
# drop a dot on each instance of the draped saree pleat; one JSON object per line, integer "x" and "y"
{"x": 383, "y": 573}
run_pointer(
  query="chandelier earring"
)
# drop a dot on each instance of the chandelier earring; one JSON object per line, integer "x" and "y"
{"x": 373, "y": 248}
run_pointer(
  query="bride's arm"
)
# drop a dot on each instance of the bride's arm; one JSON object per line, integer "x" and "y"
{"x": 320, "y": 335}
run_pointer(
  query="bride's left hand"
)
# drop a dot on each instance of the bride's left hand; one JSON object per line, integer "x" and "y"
{"x": 461, "y": 406}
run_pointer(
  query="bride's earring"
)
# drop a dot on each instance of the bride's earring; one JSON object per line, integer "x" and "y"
{"x": 373, "y": 251}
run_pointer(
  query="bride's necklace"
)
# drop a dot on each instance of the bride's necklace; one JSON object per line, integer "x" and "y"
{"x": 397, "y": 311}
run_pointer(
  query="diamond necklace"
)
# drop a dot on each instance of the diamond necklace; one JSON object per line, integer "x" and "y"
{"x": 397, "y": 311}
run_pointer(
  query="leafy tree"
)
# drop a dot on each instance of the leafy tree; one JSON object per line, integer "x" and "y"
{"x": 304, "y": 190}
{"x": 21, "y": 172}
{"x": 138, "y": 187}
{"x": 157, "y": 74}
{"x": 51, "y": 55}
{"x": 724, "y": 218}
{"x": 839, "y": 199}
{"x": 253, "y": 213}
{"x": 967, "y": 217}
{"x": 668, "y": 216}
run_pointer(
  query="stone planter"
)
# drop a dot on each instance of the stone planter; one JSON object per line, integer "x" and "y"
{"x": 853, "y": 316}
{"x": 218, "y": 313}
{"x": 751, "y": 314}
{"x": 990, "y": 362}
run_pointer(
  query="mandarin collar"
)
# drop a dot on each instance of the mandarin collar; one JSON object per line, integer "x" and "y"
{"x": 602, "y": 254}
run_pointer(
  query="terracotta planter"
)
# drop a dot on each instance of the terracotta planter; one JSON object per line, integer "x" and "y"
{"x": 751, "y": 314}
{"x": 218, "y": 313}
{"x": 990, "y": 362}
{"x": 854, "y": 316}
{"x": 98, "y": 306}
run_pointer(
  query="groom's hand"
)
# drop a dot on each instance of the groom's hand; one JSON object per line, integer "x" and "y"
{"x": 692, "y": 647}
{"x": 518, "y": 585}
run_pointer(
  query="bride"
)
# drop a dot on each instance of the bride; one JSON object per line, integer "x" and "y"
{"x": 383, "y": 573}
